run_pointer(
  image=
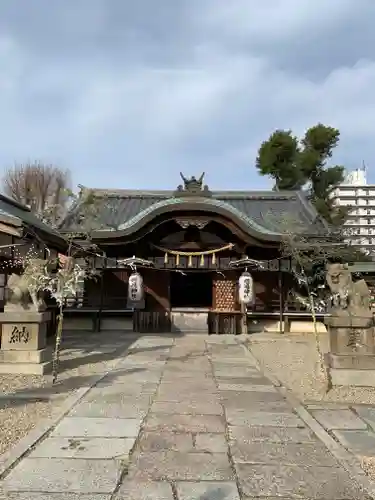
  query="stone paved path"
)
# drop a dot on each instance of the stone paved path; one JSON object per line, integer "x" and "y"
{"x": 182, "y": 419}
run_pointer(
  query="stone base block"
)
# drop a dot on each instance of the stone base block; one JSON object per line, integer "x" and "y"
{"x": 356, "y": 378}
{"x": 306, "y": 327}
{"x": 350, "y": 361}
{"x": 351, "y": 369}
{"x": 116, "y": 324}
{"x": 190, "y": 322}
{"x": 294, "y": 327}
{"x": 39, "y": 356}
{"x": 263, "y": 325}
{"x": 24, "y": 317}
{"x": 26, "y": 368}
{"x": 23, "y": 330}
{"x": 347, "y": 321}
{"x": 78, "y": 323}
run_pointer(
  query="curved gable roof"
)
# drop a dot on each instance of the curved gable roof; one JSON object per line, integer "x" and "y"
{"x": 260, "y": 213}
{"x": 208, "y": 205}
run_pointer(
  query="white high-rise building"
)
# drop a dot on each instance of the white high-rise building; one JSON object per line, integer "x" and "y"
{"x": 354, "y": 192}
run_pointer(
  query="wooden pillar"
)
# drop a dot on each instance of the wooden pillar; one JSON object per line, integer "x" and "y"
{"x": 156, "y": 316}
{"x": 243, "y": 319}
{"x": 244, "y": 329}
{"x": 100, "y": 311}
{"x": 157, "y": 289}
{"x": 281, "y": 299}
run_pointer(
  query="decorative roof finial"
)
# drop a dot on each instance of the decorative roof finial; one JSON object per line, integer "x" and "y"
{"x": 193, "y": 183}
{"x": 193, "y": 186}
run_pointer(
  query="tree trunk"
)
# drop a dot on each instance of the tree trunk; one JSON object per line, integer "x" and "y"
{"x": 243, "y": 319}
{"x": 56, "y": 354}
{"x": 322, "y": 369}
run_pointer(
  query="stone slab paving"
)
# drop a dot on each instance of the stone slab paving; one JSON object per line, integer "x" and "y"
{"x": 190, "y": 418}
{"x": 85, "y": 448}
{"x": 87, "y": 452}
{"x": 52, "y": 496}
{"x": 339, "y": 419}
{"x": 352, "y": 426}
{"x": 59, "y": 475}
{"x": 367, "y": 413}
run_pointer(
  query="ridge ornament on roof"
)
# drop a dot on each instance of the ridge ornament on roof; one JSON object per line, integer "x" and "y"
{"x": 193, "y": 187}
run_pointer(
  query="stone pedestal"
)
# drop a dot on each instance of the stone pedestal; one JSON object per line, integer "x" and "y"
{"x": 351, "y": 360}
{"x": 351, "y": 369}
{"x": 23, "y": 343}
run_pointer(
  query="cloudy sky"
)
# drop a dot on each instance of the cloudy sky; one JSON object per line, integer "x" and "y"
{"x": 127, "y": 93}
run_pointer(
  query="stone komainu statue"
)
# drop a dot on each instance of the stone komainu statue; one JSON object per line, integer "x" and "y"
{"x": 351, "y": 323}
{"x": 347, "y": 295}
{"x": 23, "y": 291}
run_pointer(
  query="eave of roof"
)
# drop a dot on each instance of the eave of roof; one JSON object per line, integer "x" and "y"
{"x": 14, "y": 213}
{"x": 10, "y": 219}
{"x": 168, "y": 193}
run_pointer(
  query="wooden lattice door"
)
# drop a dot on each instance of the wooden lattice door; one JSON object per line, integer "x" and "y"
{"x": 225, "y": 293}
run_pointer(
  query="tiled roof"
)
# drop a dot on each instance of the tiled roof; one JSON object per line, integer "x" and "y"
{"x": 19, "y": 215}
{"x": 267, "y": 209}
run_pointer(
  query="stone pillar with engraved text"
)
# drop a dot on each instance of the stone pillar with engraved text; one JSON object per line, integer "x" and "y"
{"x": 24, "y": 331}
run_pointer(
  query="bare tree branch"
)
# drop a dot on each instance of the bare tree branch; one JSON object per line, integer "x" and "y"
{"x": 44, "y": 188}
{"x": 309, "y": 255}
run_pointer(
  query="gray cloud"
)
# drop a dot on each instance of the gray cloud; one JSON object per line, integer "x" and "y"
{"x": 128, "y": 93}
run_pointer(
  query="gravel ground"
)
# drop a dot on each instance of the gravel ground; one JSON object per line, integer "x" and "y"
{"x": 78, "y": 362}
{"x": 17, "y": 421}
{"x": 368, "y": 465}
{"x": 294, "y": 361}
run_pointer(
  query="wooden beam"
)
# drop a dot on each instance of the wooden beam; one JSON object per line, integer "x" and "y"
{"x": 11, "y": 230}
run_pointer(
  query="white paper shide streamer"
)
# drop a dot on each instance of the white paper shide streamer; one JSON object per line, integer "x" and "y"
{"x": 246, "y": 288}
{"x": 135, "y": 291}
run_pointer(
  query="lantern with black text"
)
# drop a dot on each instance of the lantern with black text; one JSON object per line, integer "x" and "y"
{"x": 135, "y": 292}
{"x": 246, "y": 288}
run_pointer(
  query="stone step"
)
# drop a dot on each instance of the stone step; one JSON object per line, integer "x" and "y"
{"x": 26, "y": 356}
{"x": 26, "y": 368}
{"x": 189, "y": 322}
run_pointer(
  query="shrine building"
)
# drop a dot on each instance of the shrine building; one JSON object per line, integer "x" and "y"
{"x": 192, "y": 245}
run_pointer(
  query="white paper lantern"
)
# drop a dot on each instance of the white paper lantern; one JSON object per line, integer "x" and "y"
{"x": 135, "y": 288}
{"x": 246, "y": 288}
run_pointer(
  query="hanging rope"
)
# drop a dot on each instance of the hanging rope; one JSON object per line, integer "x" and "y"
{"x": 190, "y": 255}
